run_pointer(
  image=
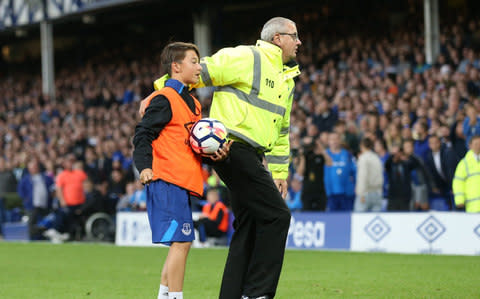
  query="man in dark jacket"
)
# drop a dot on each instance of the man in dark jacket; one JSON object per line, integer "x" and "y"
{"x": 35, "y": 188}
{"x": 399, "y": 167}
{"x": 441, "y": 163}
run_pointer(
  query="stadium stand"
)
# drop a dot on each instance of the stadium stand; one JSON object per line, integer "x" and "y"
{"x": 360, "y": 85}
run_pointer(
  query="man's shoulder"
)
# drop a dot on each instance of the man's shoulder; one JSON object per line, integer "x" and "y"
{"x": 236, "y": 52}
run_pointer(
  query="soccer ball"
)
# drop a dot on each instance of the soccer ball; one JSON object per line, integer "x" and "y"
{"x": 207, "y": 136}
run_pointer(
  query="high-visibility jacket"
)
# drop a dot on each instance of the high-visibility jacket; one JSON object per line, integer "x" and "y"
{"x": 173, "y": 159}
{"x": 466, "y": 183}
{"x": 212, "y": 214}
{"x": 253, "y": 98}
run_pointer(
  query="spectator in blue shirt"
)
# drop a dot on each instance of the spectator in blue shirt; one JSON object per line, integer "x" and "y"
{"x": 471, "y": 124}
{"x": 339, "y": 177}
{"x": 294, "y": 195}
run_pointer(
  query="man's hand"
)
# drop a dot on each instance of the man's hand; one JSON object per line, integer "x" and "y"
{"x": 143, "y": 107}
{"x": 146, "y": 176}
{"x": 222, "y": 152}
{"x": 362, "y": 199}
{"x": 282, "y": 187}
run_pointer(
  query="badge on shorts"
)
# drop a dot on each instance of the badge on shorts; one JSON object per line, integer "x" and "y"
{"x": 186, "y": 230}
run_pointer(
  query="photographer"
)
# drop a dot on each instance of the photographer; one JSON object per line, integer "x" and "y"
{"x": 312, "y": 159}
{"x": 399, "y": 167}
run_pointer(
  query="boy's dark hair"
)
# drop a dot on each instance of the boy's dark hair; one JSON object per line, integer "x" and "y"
{"x": 175, "y": 52}
{"x": 367, "y": 143}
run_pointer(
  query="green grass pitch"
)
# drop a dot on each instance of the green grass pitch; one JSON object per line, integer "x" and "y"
{"x": 41, "y": 270}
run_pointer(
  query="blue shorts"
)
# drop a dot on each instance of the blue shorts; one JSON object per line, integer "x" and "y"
{"x": 169, "y": 213}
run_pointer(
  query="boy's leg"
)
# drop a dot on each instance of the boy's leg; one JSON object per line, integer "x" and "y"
{"x": 163, "y": 290}
{"x": 175, "y": 265}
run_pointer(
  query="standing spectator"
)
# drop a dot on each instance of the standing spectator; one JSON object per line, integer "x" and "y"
{"x": 35, "y": 188}
{"x": 8, "y": 183}
{"x": 70, "y": 193}
{"x": 441, "y": 163}
{"x": 339, "y": 176}
{"x": 380, "y": 148}
{"x": 471, "y": 124}
{"x": 421, "y": 179}
{"x": 399, "y": 167}
{"x": 312, "y": 161}
{"x": 421, "y": 139}
{"x": 213, "y": 222}
{"x": 369, "y": 181}
{"x": 459, "y": 144}
{"x": 467, "y": 181}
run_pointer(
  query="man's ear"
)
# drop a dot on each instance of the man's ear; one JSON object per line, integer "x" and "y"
{"x": 276, "y": 40}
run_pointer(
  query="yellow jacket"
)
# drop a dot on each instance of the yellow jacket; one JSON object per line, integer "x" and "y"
{"x": 253, "y": 98}
{"x": 466, "y": 183}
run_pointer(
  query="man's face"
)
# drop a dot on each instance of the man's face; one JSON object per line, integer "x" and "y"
{"x": 334, "y": 141}
{"x": 408, "y": 148}
{"x": 475, "y": 146}
{"x": 434, "y": 144}
{"x": 289, "y": 42}
{"x": 33, "y": 167}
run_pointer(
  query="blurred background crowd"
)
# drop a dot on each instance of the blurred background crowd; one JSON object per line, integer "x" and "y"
{"x": 354, "y": 87}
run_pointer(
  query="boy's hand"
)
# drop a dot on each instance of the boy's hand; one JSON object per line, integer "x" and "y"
{"x": 146, "y": 176}
{"x": 222, "y": 152}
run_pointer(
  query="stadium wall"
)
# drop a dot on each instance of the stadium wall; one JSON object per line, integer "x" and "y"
{"x": 419, "y": 233}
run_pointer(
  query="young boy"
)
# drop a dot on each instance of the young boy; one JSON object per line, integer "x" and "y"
{"x": 167, "y": 165}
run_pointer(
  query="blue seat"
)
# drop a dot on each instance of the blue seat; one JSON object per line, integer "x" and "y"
{"x": 16, "y": 231}
{"x": 438, "y": 204}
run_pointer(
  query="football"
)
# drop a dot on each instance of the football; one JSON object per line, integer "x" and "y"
{"x": 207, "y": 136}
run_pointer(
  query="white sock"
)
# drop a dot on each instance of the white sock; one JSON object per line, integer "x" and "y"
{"x": 163, "y": 292}
{"x": 175, "y": 295}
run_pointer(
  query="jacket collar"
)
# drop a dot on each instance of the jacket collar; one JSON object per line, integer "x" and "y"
{"x": 274, "y": 53}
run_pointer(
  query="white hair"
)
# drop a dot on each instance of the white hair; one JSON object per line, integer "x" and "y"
{"x": 273, "y": 26}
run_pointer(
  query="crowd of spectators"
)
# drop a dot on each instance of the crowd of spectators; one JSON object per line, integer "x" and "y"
{"x": 355, "y": 87}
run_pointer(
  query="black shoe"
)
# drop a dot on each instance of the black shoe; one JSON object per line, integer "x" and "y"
{"x": 261, "y": 297}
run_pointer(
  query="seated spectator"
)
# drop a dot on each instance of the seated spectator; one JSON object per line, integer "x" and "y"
{"x": 213, "y": 222}
{"x": 93, "y": 201}
{"x": 124, "y": 201}
{"x": 138, "y": 200}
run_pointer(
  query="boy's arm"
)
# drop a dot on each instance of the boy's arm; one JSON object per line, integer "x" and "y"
{"x": 157, "y": 115}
